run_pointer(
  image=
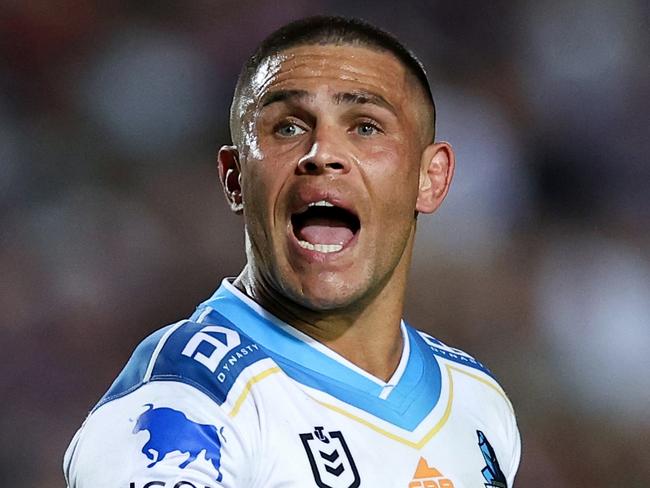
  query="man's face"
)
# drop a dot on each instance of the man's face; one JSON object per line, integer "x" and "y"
{"x": 330, "y": 168}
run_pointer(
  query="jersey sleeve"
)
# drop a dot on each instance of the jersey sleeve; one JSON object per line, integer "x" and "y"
{"x": 496, "y": 417}
{"x": 162, "y": 434}
{"x": 515, "y": 448}
{"x": 168, "y": 419}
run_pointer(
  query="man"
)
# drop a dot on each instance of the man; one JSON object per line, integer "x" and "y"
{"x": 301, "y": 372}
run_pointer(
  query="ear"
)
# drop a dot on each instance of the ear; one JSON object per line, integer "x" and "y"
{"x": 436, "y": 170}
{"x": 230, "y": 176}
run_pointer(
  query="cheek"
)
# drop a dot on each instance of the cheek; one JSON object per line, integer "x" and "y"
{"x": 261, "y": 186}
{"x": 393, "y": 171}
{"x": 394, "y": 193}
{"x": 255, "y": 193}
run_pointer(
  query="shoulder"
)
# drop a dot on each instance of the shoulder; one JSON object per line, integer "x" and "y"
{"x": 479, "y": 396}
{"x": 453, "y": 355}
{"x": 475, "y": 389}
{"x": 210, "y": 357}
{"x": 176, "y": 395}
{"x": 162, "y": 431}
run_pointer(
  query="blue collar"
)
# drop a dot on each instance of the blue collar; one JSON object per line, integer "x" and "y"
{"x": 407, "y": 398}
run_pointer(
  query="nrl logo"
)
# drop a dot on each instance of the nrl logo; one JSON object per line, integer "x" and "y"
{"x": 330, "y": 459}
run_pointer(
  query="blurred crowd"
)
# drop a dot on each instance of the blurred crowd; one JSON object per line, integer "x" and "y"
{"x": 112, "y": 222}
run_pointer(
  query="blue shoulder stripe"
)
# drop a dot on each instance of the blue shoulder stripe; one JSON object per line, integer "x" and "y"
{"x": 132, "y": 376}
{"x": 209, "y": 357}
{"x": 454, "y": 355}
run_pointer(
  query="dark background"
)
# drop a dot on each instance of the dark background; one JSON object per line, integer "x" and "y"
{"x": 112, "y": 222}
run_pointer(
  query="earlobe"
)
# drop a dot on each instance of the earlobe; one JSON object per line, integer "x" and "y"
{"x": 436, "y": 171}
{"x": 230, "y": 177}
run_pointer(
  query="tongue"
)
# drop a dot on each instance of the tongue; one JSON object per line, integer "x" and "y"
{"x": 325, "y": 231}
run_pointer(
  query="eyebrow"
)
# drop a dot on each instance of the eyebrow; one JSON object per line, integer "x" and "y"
{"x": 283, "y": 95}
{"x": 355, "y": 97}
{"x": 362, "y": 97}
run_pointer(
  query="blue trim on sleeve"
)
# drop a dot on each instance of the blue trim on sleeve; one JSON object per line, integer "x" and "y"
{"x": 454, "y": 355}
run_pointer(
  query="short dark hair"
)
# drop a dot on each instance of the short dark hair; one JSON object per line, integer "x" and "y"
{"x": 327, "y": 30}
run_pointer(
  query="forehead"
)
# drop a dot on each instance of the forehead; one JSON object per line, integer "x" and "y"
{"x": 314, "y": 67}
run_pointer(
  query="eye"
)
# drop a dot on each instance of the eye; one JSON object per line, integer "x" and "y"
{"x": 367, "y": 129}
{"x": 289, "y": 129}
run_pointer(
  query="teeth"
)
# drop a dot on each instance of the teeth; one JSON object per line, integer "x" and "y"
{"x": 324, "y": 248}
{"x": 321, "y": 203}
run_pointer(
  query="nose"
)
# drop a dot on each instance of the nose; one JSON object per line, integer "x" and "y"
{"x": 326, "y": 155}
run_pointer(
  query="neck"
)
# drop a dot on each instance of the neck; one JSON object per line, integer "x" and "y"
{"x": 368, "y": 334}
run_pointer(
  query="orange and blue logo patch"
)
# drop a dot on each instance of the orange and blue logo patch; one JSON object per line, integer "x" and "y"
{"x": 429, "y": 477}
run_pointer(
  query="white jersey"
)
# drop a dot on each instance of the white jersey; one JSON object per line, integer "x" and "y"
{"x": 236, "y": 398}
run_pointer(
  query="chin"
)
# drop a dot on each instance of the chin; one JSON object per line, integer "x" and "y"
{"x": 327, "y": 295}
{"x": 324, "y": 304}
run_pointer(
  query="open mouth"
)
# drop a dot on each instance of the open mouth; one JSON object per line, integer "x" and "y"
{"x": 324, "y": 227}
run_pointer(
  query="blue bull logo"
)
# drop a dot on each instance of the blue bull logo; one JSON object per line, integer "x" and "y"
{"x": 170, "y": 430}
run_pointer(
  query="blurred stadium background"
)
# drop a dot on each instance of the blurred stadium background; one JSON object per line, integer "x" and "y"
{"x": 112, "y": 223}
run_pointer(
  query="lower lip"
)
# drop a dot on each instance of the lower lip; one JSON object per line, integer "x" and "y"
{"x": 321, "y": 257}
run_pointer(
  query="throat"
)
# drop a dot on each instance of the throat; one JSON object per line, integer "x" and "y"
{"x": 381, "y": 366}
